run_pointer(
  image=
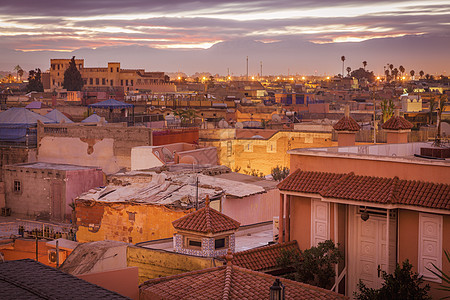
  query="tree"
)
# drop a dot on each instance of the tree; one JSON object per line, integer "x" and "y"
{"x": 402, "y": 70}
{"x": 343, "y": 59}
{"x": 72, "y": 77}
{"x": 421, "y": 73}
{"x": 279, "y": 173}
{"x": 395, "y": 73}
{"x": 362, "y": 73}
{"x": 412, "y": 73}
{"x": 387, "y": 109}
{"x": 348, "y": 71}
{"x": 445, "y": 286}
{"x": 18, "y": 70}
{"x": 34, "y": 81}
{"x": 315, "y": 266}
{"x": 402, "y": 284}
{"x": 364, "y": 65}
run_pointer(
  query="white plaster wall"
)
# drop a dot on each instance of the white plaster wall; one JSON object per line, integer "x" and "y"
{"x": 67, "y": 150}
{"x": 143, "y": 158}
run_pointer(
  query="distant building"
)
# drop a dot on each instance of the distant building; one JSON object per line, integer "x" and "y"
{"x": 411, "y": 103}
{"x": 111, "y": 76}
{"x": 46, "y": 190}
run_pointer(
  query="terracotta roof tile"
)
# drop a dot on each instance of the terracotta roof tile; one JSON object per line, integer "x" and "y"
{"x": 227, "y": 282}
{"x": 369, "y": 189}
{"x": 206, "y": 220}
{"x": 263, "y": 258}
{"x": 397, "y": 123}
{"x": 308, "y": 182}
{"x": 347, "y": 124}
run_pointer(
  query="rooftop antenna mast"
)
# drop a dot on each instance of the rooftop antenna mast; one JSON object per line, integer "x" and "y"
{"x": 260, "y": 73}
{"x": 247, "y": 68}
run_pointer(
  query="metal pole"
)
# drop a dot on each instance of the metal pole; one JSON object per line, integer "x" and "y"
{"x": 57, "y": 254}
{"x": 196, "y": 192}
{"x": 37, "y": 248}
{"x": 247, "y": 68}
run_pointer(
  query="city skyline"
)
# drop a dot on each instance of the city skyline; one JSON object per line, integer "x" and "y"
{"x": 303, "y": 37}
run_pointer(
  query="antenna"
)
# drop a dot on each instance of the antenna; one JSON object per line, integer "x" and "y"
{"x": 247, "y": 68}
{"x": 260, "y": 73}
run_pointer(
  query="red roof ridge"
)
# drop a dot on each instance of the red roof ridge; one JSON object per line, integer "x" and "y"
{"x": 393, "y": 197}
{"x": 227, "y": 284}
{"x": 278, "y": 245}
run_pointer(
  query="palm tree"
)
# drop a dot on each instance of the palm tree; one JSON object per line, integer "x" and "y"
{"x": 386, "y": 72}
{"x": 348, "y": 71}
{"x": 343, "y": 59}
{"x": 17, "y": 69}
{"x": 364, "y": 65}
{"x": 387, "y": 109}
{"x": 395, "y": 73}
{"x": 412, "y": 73}
{"x": 432, "y": 107}
{"x": 402, "y": 70}
{"x": 421, "y": 73}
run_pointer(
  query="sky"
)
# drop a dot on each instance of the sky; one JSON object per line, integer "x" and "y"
{"x": 303, "y": 36}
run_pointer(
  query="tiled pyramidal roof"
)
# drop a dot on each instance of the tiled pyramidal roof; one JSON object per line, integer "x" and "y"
{"x": 346, "y": 124}
{"x": 206, "y": 220}
{"x": 263, "y": 258}
{"x": 369, "y": 189}
{"x": 397, "y": 123}
{"x": 227, "y": 282}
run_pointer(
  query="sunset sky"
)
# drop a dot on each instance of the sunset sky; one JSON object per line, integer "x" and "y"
{"x": 57, "y": 28}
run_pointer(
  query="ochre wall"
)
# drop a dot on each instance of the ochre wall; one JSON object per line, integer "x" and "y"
{"x": 437, "y": 174}
{"x": 154, "y": 263}
{"x": 301, "y": 221}
{"x": 111, "y": 221}
{"x": 261, "y": 155}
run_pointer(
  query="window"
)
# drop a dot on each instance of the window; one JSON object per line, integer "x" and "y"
{"x": 112, "y": 70}
{"x": 103, "y": 81}
{"x": 117, "y": 69}
{"x": 194, "y": 243}
{"x": 131, "y": 216}
{"x": 229, "y": 148}
{"x": 111, "y": 82}
{"x": 131, "y": 82}
{"x": 17, "y": 186}
{"x": 97, "y": 81}
{"x": 126, "y": 82}
{"x": 219, "y": 243}
{"x": 91, "y": 81}
{"x": 121, "y": 81}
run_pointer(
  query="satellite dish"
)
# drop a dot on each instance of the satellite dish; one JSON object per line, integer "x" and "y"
{"x": 276, "y": 118}
{"x": 239, "y": 125}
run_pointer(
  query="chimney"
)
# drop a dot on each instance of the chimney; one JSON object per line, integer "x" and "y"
{"x": 397, "y": 129}
{"x": 346, "y": 129}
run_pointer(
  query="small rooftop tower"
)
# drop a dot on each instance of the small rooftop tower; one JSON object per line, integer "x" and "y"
{"x": 205, "y": 232}
{"x": 346, "y": 129}
{"x": 397, "y": 129}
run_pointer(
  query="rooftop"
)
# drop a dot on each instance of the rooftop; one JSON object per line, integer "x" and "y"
{"x": 168, "y": 188}
{"x": 227, "y": 282}
{"x": 263, "y": 258}
{"x": 247, "y": 237}
{"x": 369, "y": 189}
{"x": 28, "y": 279}
{"x": 389, "y": 152}
{"x": 206, "y": 220}
{"x": 52, "y": 166}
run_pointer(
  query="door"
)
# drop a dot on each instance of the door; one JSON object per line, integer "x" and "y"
{"x": 319, "y": 222}
{"x": 371, "y": 255}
